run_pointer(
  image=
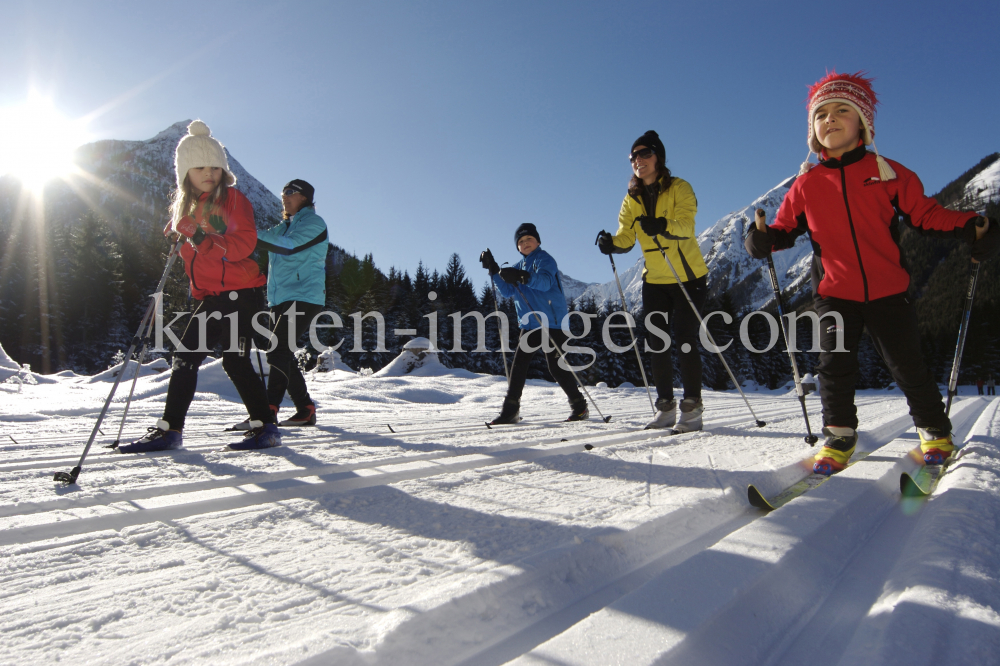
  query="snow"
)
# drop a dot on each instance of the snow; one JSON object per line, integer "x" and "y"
{"x": 401, "y": 530}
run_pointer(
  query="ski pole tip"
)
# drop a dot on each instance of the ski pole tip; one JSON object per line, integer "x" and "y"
{"x": 607, "y": 419}
{"x": 811, "y": 440}
{"x": 588, "y": 446}
{"x": 67, "y": 477}
{"x": 761, "y": 424}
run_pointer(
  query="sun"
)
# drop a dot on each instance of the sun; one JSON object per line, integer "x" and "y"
{"x": 37, "y": 142}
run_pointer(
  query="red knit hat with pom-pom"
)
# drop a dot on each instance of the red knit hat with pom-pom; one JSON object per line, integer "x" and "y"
{"x": 855, "y": 90}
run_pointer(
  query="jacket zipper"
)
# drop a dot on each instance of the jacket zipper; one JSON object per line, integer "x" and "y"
{"x": 223, "y": 274}
{"x": 854, "y": 235}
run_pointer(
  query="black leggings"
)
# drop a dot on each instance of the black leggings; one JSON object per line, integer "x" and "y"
{"x": 235, "y": 359}
{"x": 285, "y": 373}
{"x": 522, "y": 359}
{"x": 892, "y": 324}
{"x": 667, "y": 300}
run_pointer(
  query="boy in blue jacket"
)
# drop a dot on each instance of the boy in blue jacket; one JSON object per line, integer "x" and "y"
{"x": 534, "y": 285}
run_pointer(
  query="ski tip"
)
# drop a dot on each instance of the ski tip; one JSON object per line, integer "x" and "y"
{"x": 588, "y": 446}
{"x": 489, "y": 426}
{"x": 909, "y": 488}
{"x": 761, "y": 424}
{"x": 756, "y": 499}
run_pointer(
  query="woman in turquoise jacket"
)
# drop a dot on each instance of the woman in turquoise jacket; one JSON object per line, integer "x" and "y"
{"x": 296, "y": 285}
{"x": 534, "y": 285}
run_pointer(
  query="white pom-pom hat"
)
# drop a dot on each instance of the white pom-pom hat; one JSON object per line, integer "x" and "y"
{"x": 200, "y": 149}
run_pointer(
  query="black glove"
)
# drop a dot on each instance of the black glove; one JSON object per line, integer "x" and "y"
{"x": 652, "y": 226}
{"x": 987, "y": 247}
{"x": 605, "y": 242}
{"x": 488, "y": 262}
{"x": 513, "y": 275}
{"x": 758, "y": 243}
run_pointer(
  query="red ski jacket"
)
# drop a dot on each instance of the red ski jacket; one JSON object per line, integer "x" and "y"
{"x": 221, "y": 262}
{"x": 851, "y": 216}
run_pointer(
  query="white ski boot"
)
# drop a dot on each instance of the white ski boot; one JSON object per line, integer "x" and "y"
{"x": 666, "y": 415}
{"x": 691, "y": 410}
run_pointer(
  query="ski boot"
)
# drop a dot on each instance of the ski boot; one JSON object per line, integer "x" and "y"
{"x": 837, "y": 450}
{"x": 158, "y": 438}
{"x": 245, "y": 425}
{"x": 260, "y": 436}
{"x": 511, "y": 413}
{"x": 579, "y": 411}
{"x": 935, "y": 444}
{"x": 666, "y": 415}
{"x": 691, "y": 410}
{"x": 304, "y": 416}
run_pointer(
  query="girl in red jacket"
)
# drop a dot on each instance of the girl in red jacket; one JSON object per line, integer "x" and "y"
{"x": 850, "y": 204}
{"x": 218, "y": 223}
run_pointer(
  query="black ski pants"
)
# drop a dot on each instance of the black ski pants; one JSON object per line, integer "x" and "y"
{"x": 667, "y": 309}
{"x": 285, "y": 373}
{"x": 522, "y": 359}
{"x": 244, "y": 303}
{"x": 892, "y": 325}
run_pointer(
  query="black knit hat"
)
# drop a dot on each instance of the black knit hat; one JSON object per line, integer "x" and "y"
{"x": 526, "y": 229}
{"x": 652, "y": 140}
{"x": 302, "y": 187}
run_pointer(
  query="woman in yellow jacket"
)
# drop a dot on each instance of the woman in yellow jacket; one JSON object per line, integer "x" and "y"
{"x": 658, "y": 212}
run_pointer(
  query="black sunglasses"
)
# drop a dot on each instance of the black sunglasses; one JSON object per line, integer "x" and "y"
{"x": 288, "y": 191}
{"x": 644, "y": 153}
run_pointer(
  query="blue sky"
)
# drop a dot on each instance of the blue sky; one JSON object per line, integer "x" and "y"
{"x": 436, "y": 127}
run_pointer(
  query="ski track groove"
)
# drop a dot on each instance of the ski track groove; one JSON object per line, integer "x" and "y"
{"x": 647, "y": 554}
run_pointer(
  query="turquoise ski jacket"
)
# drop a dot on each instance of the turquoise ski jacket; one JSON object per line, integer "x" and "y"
{"x": 543, "y": 291}
{"x": 296, "y": 259}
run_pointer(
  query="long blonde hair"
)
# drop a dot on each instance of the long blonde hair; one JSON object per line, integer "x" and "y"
{"x": 186, "y": 198}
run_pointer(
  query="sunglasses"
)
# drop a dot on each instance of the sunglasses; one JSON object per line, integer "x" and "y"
{"x": 289, "y": 191}
{"x": 644, "y": 153}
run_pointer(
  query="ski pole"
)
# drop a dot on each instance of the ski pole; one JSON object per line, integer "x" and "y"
{"x": 71, "y": 476}
{"x": 635, "y": 344}
{"x": 701, "y": 323}
{"x": 606, "y": 419}
{"x": 963, "y": 329}
{"x": 810, "y": 438}
{"x": 135, "y": 380}
{"x": 503, "y": 343}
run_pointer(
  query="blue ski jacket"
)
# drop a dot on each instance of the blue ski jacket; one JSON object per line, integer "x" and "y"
{"x": 543, "y": 291}
{"x": 296, "y": 259}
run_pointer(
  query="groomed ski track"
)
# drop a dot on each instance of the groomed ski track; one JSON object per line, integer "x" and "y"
{"x": 445, "y": 542}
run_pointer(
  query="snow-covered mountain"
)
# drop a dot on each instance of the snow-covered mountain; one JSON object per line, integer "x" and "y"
{"x": 731, "y": 269}
{"x": 984, "y": 188}
{"x": 572, "y": 287}
{"x": 137, "y": 177}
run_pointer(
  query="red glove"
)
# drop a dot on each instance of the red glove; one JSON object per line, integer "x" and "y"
{"x": 187, "y": 227}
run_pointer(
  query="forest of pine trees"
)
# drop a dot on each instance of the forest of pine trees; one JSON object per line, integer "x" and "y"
{"x": 83, "y": 287}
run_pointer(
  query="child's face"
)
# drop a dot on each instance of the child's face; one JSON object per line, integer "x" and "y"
{"x": 837, "y": 127}
{"x": 204, "y": 179}
{"x": 527, "y": 244}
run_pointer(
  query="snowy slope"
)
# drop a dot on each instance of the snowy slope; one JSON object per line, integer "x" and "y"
{"x": 983, "y": 189}
{"x": 402, "y": 531}
{"x": 731, "y": 269}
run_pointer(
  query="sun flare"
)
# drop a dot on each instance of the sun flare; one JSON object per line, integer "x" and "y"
{"x": 37, "y": 142}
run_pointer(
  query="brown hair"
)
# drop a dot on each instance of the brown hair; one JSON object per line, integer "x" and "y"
{"x": 185, "y": 199}
{"x": 636, "y": 187}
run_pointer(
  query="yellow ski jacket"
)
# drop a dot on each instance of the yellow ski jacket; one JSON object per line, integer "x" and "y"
{"x": 678, "y": 205}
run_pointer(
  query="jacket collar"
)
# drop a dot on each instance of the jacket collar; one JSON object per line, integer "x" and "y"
{"x": 299, "y": 214}
{"x": 850, "y": 157}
